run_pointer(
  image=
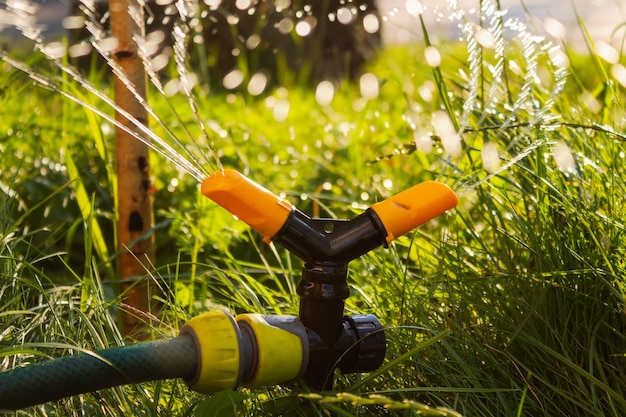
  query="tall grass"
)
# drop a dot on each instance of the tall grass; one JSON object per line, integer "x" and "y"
{"x": 511, "y": 305}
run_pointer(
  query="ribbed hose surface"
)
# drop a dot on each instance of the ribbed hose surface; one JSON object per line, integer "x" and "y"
{"x": 72, "y": 375}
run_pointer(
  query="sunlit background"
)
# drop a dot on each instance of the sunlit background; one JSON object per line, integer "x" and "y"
{"x": 601, "y": 17}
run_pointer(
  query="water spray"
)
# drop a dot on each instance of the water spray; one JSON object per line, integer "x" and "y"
{"x": 216, "y": 351}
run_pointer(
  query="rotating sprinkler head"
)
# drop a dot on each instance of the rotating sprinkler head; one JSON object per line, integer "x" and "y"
{"x": 327, "y": 246}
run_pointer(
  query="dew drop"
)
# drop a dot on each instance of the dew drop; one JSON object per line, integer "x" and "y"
{"x": 285, "y": 26}
{"x": 344, "y": 15}
{"x": 243, "y": 4}
{"x": 253, "y": 41}
{"x": 303, "y": 28}
{"x": 432, "y": 55}
{"x": 233, "y": 79}
{"x": 73, "y": 22}
{"x": 232, "y": 19}
{"x": 564, "y": 158}
{"x": 324, "y": 93}
{"x": 554, "y": 28}
{"x": 444, "y": 128}
{"x": 368, "y": 84}
{"x": 108, "y": 45}
{"x": 282, "y": 4}
{"x": 618, "y": 71}
{"x": 188, "y": 81}
{"x": 607, "y": 52}
{"x": 371, "y": 23}
{"x": 490, "y": 157}
{"x": 423, "y": 141}
{"x": 257, "y": 84}
{"x": 54, "y": 50}
{"x": 485, "y": 38}
{"x": 171, "y": 87}
{"x": 79, "y": 49}
{"x": 281, "y": 110}
{"x": 414, "y": 7}
{"x": 159, "y": 62}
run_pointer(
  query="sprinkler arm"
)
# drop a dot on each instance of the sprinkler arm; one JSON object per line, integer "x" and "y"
{"x": 326, "y": 239}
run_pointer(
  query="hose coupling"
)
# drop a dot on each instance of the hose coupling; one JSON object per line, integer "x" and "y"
{"x": 250, "y": 350}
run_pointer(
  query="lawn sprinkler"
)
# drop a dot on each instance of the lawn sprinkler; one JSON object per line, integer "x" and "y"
{"x": 216, "y": 351}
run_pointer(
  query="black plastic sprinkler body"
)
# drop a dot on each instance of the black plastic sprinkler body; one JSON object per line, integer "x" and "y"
{"x": 350, "y": 343}
{"x": 216, "y": 351}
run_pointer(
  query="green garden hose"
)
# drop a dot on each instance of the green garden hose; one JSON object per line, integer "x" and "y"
{"x": 214, "y": 351}
{"x": 78, "y": 374}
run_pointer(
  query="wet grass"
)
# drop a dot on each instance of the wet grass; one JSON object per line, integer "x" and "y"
{"x": 513, "y": 304}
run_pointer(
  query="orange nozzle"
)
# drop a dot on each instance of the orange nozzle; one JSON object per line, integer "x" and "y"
{"x": 262, "y": 210}
{"x": 406, "y": 210}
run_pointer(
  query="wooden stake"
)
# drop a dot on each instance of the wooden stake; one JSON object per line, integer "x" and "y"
{"x": 134, "y": 205}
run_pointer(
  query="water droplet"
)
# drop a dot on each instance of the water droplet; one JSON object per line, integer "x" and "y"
{"x": 159, "y": 62}
{"x": 371, "y": 23}
{"x": 388, "y": 184}
{"x": 303, "y": 28}
{"x": 171, "y": 87}
{"x": 485, "y": 38}
{"x": 281, "y": 110}
{"x": 554, "y": 28}
{"x": 243, "y": 4}
{"x": 281, "y": 5}
{"x": 423, "y": 141}
{"x": 327, "y": 186}
{"x": 285, "y": 26}
{"x": 365, "y": 196}
{"x": 73, "y": 22}
{"x": 607, "y": 52}
{"x": 368, "y": 84}
{"x": 490, "y": 157}
{"x": 108, "y": 45}
{"x": 324, "y": 93}
{"x": 344, "y": 15}
{"x": 212, "y": 3}
{"x": 253, "y": 41}
{"x": 432, "y": 55}
{"x": 426, "y": 91}
{"x": 54, "y": 50}
{"x": 188, "y": 82}
{"x": 257, "y": 84}
{"x": 79, "y": 49}
{"x": 414, "y": 7}
{"x": 233, "y": 79}
{"x": 618, "y": 71}
{"x": 563, "y": 157}
{"x": 444, "y": 128}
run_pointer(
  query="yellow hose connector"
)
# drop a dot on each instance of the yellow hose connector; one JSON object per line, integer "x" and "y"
{"x": 282, "y": 348}
{"x": 412, "y": 207}
{"x": 216, "y": 337}
{"x": 251, "y": 350}
{"x": 258, "y": 207}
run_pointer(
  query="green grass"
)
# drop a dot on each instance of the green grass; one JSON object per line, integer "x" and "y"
{"x": 512, "y": 304}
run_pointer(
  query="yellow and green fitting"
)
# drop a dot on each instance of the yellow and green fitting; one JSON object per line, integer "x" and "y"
{"x": 217, "y": 339}
{"x": 282, "y": 348}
